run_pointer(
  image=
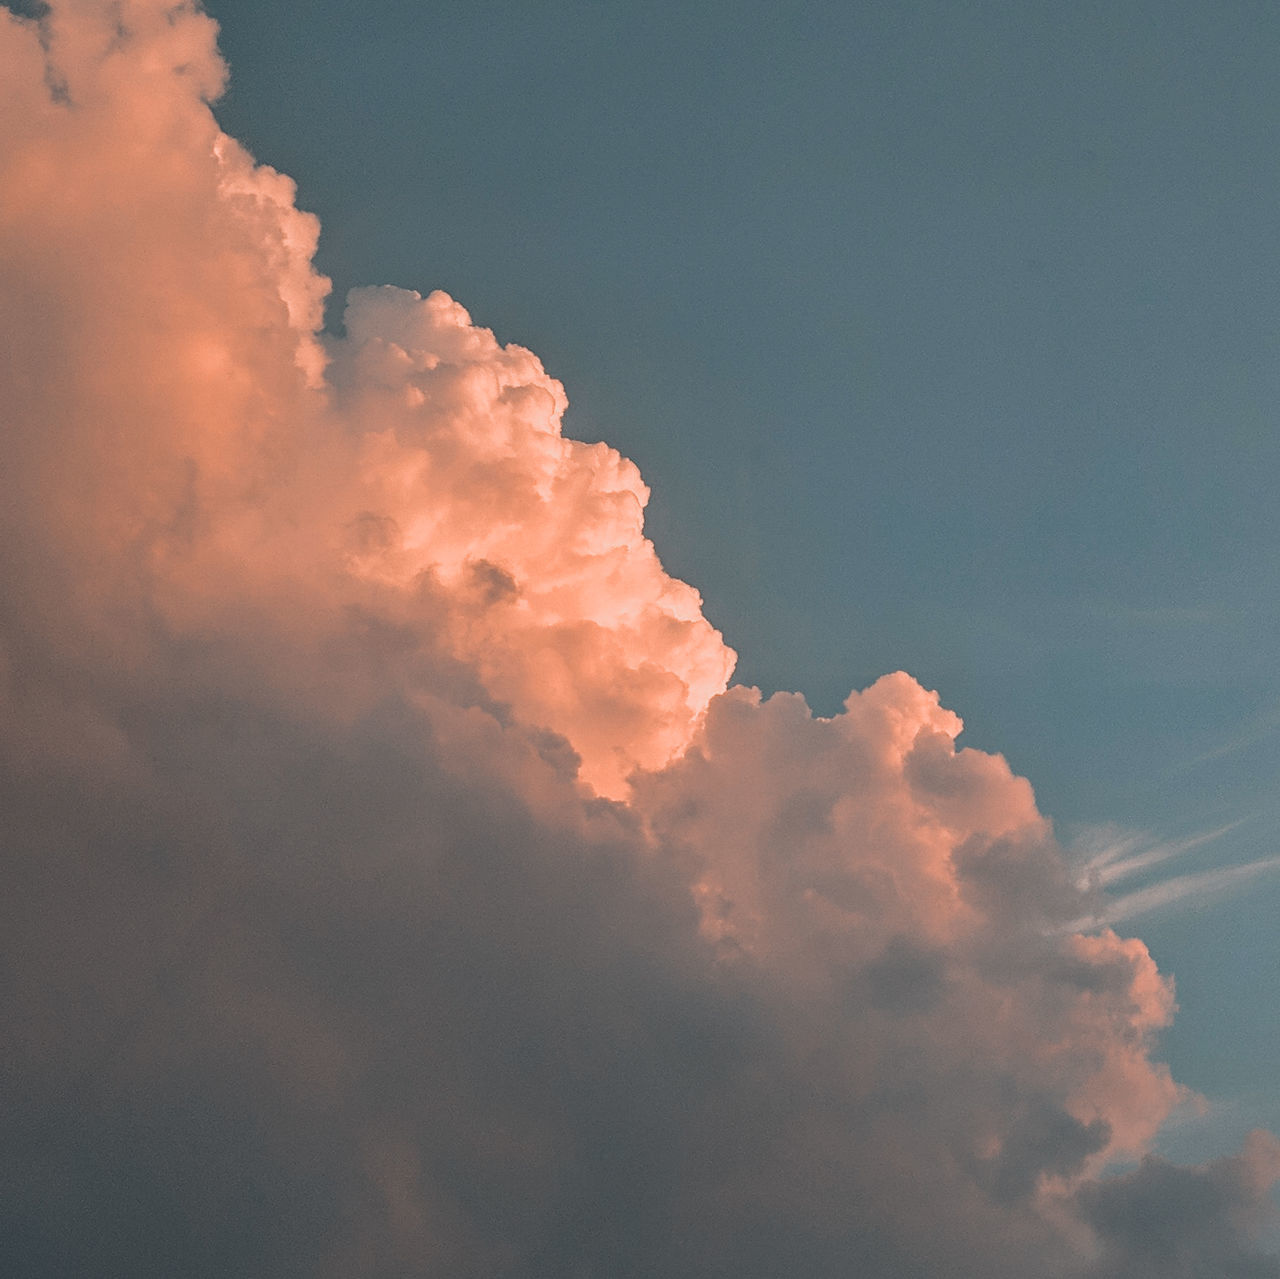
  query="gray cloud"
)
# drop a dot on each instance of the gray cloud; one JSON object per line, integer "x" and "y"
{"x": 1173, "y": 1222}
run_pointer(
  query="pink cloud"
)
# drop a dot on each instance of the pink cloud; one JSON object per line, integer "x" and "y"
{"x": 395, "y": 885}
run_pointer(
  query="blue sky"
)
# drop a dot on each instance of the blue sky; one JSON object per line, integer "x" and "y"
{"x": 947, "y": 337}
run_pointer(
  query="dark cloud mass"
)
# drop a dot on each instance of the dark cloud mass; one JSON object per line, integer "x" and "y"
{"x": 391, "y": 885}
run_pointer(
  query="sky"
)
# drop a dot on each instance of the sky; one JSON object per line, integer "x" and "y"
{"x": 947, "y": 337}
{"x": 437, "y": 844}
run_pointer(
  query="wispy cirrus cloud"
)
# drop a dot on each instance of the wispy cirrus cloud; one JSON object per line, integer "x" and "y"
{"x": 1186, "y": 889}
{"x": 1108, "y": 855}
{"x": 1112, "y": 854}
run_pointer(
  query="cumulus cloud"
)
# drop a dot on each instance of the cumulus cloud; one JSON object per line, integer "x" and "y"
{"x": 536, "y": 541}
{"x": 1170, "y": 1222}
{"x": 394, "y": 886}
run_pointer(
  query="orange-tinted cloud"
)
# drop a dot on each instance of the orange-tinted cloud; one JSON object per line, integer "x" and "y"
{"x": 555, "y": 595}
{"x": 393, "y": 886}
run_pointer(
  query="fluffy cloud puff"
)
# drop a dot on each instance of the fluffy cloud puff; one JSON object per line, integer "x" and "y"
{"x": 393, "y": 888}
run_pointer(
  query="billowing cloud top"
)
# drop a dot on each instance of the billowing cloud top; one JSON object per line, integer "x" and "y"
{"x": 536, "y": 542}
{"x": 392, "y": 885}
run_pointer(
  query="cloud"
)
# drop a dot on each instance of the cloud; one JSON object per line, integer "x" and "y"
{"x": 536, "y": 541}
{"x": 1198, "y": 886}
{"x": 1111, "y": 856}
{"x": 1186, "y": 1223}
{"x": 393, "y": 887}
